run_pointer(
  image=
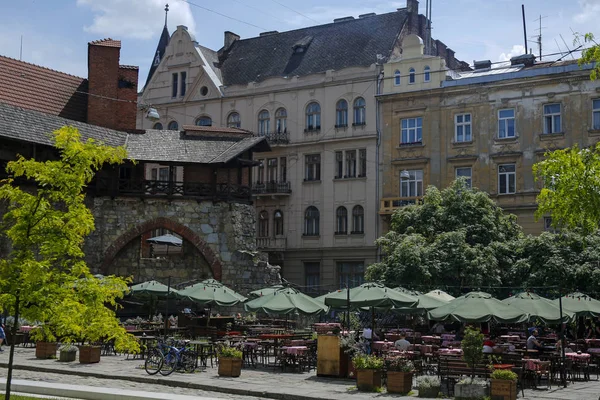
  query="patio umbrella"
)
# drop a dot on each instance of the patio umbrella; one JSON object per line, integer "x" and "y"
{"x": 478, "y": 307}
{"x": 426, "y": 303}
{"x": 267, "y": 290}
{"x": 168, "y": 239}
{"x": 286, "y": 301}
{"x": 538, "y": 307}
{"x": 580, "y": 304}
{"x": 210, "y": 293}
{"x": 370, "y": 295}
{"x": 152, "y": 288}
{"x": 440, "y": 294}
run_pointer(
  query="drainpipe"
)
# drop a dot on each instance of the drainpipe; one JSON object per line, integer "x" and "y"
{"x": 378, "y": 145}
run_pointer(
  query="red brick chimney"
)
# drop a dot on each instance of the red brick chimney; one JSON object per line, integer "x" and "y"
{"x": 109, "y": 82}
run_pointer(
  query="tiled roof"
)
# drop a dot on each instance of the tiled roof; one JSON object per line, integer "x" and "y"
{"x": 108, "y": 42}
{"x": 36, "y": 127}
{"x": 215, "y": 129}
{"x": 175, "y": 146}
{"x": 335, "y": 46}
{"x": 129, "y": 66}
{"x": 37, "y": 88}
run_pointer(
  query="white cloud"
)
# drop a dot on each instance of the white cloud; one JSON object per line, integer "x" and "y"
{"x": 590, "y": 11}
{"x": 517, "y": 50}
{"x": 137, "y": 19}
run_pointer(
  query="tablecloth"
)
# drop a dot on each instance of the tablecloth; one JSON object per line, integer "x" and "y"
{"x": 295, "y": 349}
{"x": 578, "y": 356}
{"x": 450, "y": 351}
{"x": 448, "y": 336}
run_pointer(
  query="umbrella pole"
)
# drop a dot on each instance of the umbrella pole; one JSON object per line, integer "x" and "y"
{"x": 167, "y": 306}
{"x": 348, "y": 309}
{"x": 562, "y": 340}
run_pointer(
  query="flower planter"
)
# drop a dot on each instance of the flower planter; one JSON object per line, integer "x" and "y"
{"x": 230, "y": 367}
{"x": 503, "y": 389}
{"x": 368, "y": 380}
{"x": 67, "y": 356}
{"x": 89, "y": 354}
{"x": 399, "y": 382}
{"x": 430, "y": 392}
{"x": 470, "y": 391}
{"x": 45, "y": 350}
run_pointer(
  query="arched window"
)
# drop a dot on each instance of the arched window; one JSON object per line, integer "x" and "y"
{"x": 411, "y": 75}
{"x": 158, "y": 126}
{"x": 397, "y": 78}
{"x": 173, "y": 126}
{"x": 360, "y": 111}
{"x": 313, "y": 117}
{"x": 358, "y": 219}
{"x": 341, "y": 221}
{"x": 281, "y": 120}
{"x": 278, "y": 223}
{"x": 341, "y": 114}
{"x": 263, "y": 224}
{"x": 311, "y": 221}
{"x": 264, "y": 122}
{"x": 233, "y": 120}
{"x": 204, "y": 121}
{"x": 427, "y": 74}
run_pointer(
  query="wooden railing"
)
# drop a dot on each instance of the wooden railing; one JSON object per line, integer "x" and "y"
{"x": 271, "y": 188}
{"x": 390, "y": 204}
{"x": 271, "y": 243}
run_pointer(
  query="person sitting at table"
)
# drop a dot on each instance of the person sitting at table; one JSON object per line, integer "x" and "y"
{"x": 402, "y": 344}
{"x": 488, "y": 346}
{"x": 438, "y": 328}
{"x": 172, "y": 321}
{"x": 589, "y": 332}
{"x": 533, "y": 343}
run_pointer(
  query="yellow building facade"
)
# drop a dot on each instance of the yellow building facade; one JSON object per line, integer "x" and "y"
{"x": 489, "y": 125}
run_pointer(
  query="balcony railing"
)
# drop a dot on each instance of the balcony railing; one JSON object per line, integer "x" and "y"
{"x": 391, "y": 204}
{"x": 270, "y": 243}
{"x": 276, "y": 137}
{"x": 266, "y": 188}
{"x": 170, "y": 189}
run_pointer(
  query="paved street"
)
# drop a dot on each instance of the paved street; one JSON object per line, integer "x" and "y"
{"x": 118, "y": 372}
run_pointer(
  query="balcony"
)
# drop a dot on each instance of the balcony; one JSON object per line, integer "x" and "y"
{"x": 271, "y": 189}
{"x": 276, "y": 138}
{"x": 269, "y": 243}
{"x": 170, "y": 189}
{"x": 390, "y": 204}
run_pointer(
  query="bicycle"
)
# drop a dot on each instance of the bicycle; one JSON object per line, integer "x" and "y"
{"x": 178, "y": 358}
{"x": 156, "y": 358}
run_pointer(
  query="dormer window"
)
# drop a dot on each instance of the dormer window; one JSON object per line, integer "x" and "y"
{"x": 397, "y": 78}
{"x": 302, "y": 45}
{"x": 411, "y": 76}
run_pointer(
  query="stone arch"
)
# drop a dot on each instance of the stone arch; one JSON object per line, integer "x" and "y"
{"x": 213, "y": 261}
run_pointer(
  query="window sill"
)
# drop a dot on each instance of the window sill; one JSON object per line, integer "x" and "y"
{"x": 550, "y": 136}
{"x": 313, "y": 130}
{"x": 462, "y": 144}
{"x": 507, "y": 139}
{"x": 312, "y": 181}
{"x": 357, "y": 233}
{"x": 341, "y": 233}
{"x": 411, "y": 144}
{"x": 354, "y": 178}
{"x": 305, "y": 236}
{"x": 359, "y": 125}
{"x": 594, "y": 132}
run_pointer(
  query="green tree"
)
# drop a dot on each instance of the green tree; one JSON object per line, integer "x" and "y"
{"x": 591, "y": 54}
{"x": 456, "y": 237}
{"x": 44, "y": 278}
{"x": 472, "y": 346}
{"x": 571, "y": 192}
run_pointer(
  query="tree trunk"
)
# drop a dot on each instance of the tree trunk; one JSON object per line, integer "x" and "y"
{"x": 11, "y": 358}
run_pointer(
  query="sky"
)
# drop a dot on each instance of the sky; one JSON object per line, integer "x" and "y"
{"x": 55, "y": 33}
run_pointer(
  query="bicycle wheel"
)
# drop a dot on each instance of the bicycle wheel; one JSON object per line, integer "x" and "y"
{"x": 154, "y": 362}
{"x": 188, "y": 361}
{"x": 169, "y": 364}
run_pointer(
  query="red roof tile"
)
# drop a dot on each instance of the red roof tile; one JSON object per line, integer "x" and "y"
{"x": 42, "y": 89}
{"x": 108, "y": 42}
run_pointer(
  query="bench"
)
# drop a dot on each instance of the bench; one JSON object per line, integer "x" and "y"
{"x": 451, "y": 370}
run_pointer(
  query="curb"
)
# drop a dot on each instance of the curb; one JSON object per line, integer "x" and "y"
{"x": 169, "y": 383}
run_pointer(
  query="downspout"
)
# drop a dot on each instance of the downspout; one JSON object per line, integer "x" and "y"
{"x": 378, "y": 145}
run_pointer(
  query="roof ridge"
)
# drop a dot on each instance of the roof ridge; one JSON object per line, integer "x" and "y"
{"x": 106, "y": 41}
{"x": 41, "y": 66}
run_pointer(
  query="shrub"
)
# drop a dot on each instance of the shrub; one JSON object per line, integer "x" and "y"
{"x": 230, "y": 352}
{"x": 427, "y": 382}
{"x": 68, "y": 348}
{"x": 473, "y": 381}
{"x": 472, "y": 346}
{"x": 504, "y": 374}
{"x": 364, "y": 361}
{"x": 400, "y": 364}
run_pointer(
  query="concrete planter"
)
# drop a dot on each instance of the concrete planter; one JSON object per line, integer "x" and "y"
{"x": 45, "y": 350}
{"x": 399, "y": 382}
{"x": 469, "y": 391}
{"x": 503, "y": 389}
{"x": 67, "y": 356}
{"x": 230, "y": 367}
{"x": 89, "y": 354}
{"x": 368, "y": 380}
{"x": 430, "y": 392}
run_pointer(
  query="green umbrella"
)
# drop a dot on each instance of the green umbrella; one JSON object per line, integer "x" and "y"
{"x": 478, "y": 307}
{"x": 441, "y": 295}
{"x": 267, "y": 290}
{"x": 153, "y": 288}
{"x": 426, "y": 303}
{"x": 580, "y": 304}
{"x": 370, "y": 295}
{"x": 211, "y": 292}
{"x": 286, "y": 301}
{"x": 538, "y": 307}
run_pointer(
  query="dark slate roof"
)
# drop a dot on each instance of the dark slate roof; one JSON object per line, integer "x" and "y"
{"x": 38, "y": 88}
{"x": 334, "y": 46}
{"x": 36, "y": 127}
{"x": 163, "y": 42}
{"x": 175, "y": 146}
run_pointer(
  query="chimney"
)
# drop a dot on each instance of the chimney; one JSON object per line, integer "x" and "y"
{"x": 268, "y": 33}
{"x": 412, "y": 6}
{"x": 230, "y": 37}
{"x": 483, "y": 64}
{"x": 367, "y": 15}
{"x": 525, "y": 59}
{"x": 108, "y": 82}
{"x": 344, "y": 19}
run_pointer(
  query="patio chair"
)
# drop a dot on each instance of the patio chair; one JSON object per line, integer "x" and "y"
{"x": 520, "y": 384}
{"x": 543, "y": 370}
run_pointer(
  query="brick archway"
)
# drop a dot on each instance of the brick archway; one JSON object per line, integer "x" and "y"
{"x": 213, "y": 261}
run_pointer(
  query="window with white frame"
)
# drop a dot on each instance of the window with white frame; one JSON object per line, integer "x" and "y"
{"x": 350, "y": 164}
{"x": 313, "y": 167}
{"x": 412, "y": 186}
{"x": 234, "y": 120}
{"x": 360, "y": 111}
{"x": 506, "y": 123}
{"x": 341, "y": 114}
{"x": 341, "y": 221}
{"x": 313, "y": 117}
{"x": 467, "y": 173}
{"x": 397, "y": 78}
{"x": 552, "y": 118}
{"x": 264, "y": 122}
{"x": 507, "y": 179}
{"x": 411, "y": 130}
{"x": 362, "y": 163}
{"x": 339, "y": 164}
{"x": 281, "y": 120}
{"x": 426, "y": 74}
{"x": 358, "y": 219}
{"x": 596, "y": 114}
{"x": 411, "y": 76}
{"x": 462, "y": 128}
{"x": 311, "y": 221}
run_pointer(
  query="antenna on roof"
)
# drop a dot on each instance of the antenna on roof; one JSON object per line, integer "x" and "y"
{"x": 166, "y": 12}
{"x": 539, "y": 37}
{"x": 570, "y": 52}
{"x": 524, "y": 27}
{"x": 21, "y": 50}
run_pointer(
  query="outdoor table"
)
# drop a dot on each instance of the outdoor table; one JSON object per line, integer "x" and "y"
{"x": 381, "y": 345}
{"x": 451, "y": 343}
{"x": 25, "y": 328}
{"x": 431, "y": 339}
{"x": 298, "y": 342}
{"x": 199, "y": 347}
{"x": 275, "y": 339}
{"x": 519, "y": 334}
{"x": 425, "y": 348}
{"x": 578, "y": 356}
{"x": 510, "y": 338}
{"x": 504, "y": 366}
{"x": 448, "y": 337}
{"x": 293, "y": 355}
{"x": 594, "y": 350}
{"x": 446, "y": 352}
{"x": 407, "y": 354}
{"x": 144, "y": 342}
{"x": 534, "y": 364}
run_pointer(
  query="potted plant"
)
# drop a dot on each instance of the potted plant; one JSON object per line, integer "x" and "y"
{"x": 400, "y": 372}
{"x": 45, "y": 342}
{"x": 89, "y": 354}
{"x": 368, "y": 371}
{"x": 429, "y": 386}
{"x": 504, "y": 384}
{"x": 472, "y": 347}
{"x": 67, "y": 353}
{"x": 230, "y": 362}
